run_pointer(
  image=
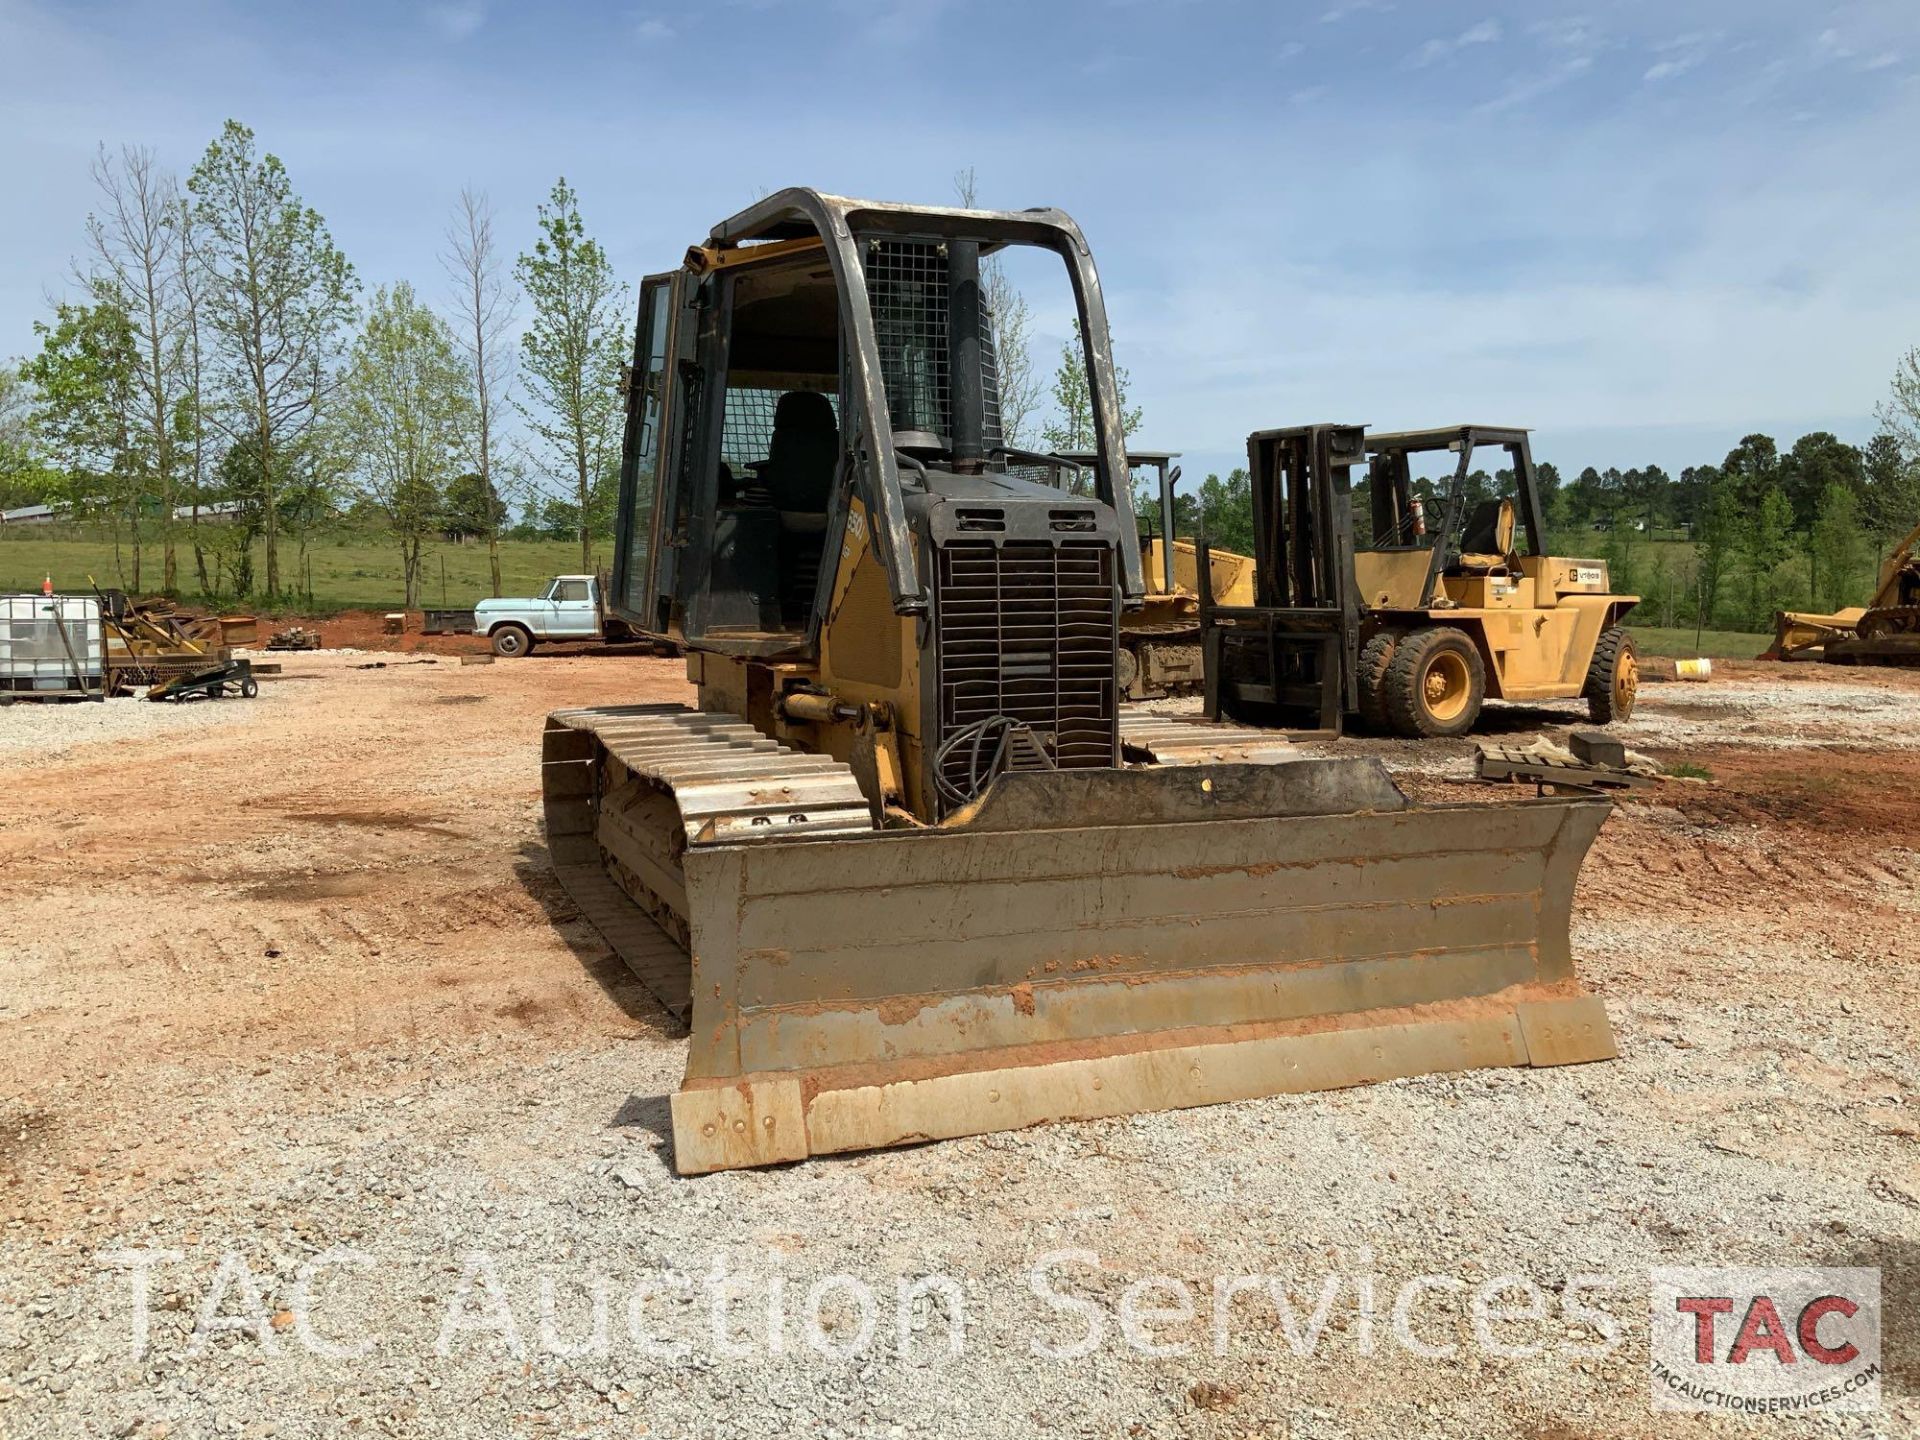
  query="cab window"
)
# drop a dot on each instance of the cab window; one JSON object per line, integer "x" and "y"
{"x": 566, "y": 590}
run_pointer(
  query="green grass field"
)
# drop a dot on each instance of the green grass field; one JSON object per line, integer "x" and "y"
{"x": 1681, "y": 645}
{"x": 350, "y": 572}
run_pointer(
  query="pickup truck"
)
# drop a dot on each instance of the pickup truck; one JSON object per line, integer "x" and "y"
{"x": 570, "y": 609}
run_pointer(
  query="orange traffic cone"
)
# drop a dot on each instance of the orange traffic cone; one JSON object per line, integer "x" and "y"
{"x": 46, "y": 587}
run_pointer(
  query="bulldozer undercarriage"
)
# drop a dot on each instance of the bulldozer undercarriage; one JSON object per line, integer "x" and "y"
{"x": 1081, "y": 944}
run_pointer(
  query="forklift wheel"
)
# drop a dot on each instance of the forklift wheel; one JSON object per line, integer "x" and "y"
{"x": 1613, "y": 678}
{"x": 1435, "y": 683}
{"x": 1375, "y": 657}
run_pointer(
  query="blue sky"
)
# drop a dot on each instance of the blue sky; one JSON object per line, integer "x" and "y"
{"x": 1643, "y": 229}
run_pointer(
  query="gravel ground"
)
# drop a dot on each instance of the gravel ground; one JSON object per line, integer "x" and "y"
{"x": 40, "y": 733}
{"x": 318, "y": 993}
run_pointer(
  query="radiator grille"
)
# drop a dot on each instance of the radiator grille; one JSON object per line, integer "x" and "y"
{"x": 1026, "y": 629}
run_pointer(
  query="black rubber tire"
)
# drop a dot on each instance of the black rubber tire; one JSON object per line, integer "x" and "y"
{"x": 1613, "y": 677}
{"x": 1409, "y": 708}
{"x": 510, "y": 642}
{"x": 1375, "y": 656}
{"x": 249, "y": 688}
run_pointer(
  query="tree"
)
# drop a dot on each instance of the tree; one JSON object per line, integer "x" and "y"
{"x": 1892, "y": 505}
{"x": 473, "y": 510}
{"x": 1899, "y": 413}
{"x": 1226, "y": 511}
{"x": 1752, "y": 467}
{"x": 1717, "y": 530}
{"x": 1650, "y": 495}
{"x": 1616, "y": 548}
{"x": 559, "y": 519}
{"x": 87, "y": 406}
{"x": 1809, "y": 474}
{"x": 574, "y": 348}
{"x": 137, "y": 244}
{"x": 1766, "y": 541}
{"x": 1584, "y": 498}
{"x": 1071, "y": 427}
{"x": 1546, "y": 484}
{"x": 1836, "y": 549}
{"x": 24, "y": 480}
{"x": 319, "y": 469}
{"x": 1817, "y": 462}
{"x": 484, "y": 313}
{"x": 277, "y": 296}
{"x": 1012, "y": 322}
{"x": 1688, "y": 494}
{"x": 406, "y": 408}
{"x": 192, "y": 411}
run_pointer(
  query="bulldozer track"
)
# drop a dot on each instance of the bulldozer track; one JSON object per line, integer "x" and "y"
{"x": 1169, "y": 740}
{"x": 1889, "y": 620}
{"x": 628, "y": 788}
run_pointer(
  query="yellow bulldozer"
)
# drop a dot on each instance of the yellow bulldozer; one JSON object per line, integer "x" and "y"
{"x": 905, "y": 870}
{"x": 1885, "y": 631}
{"x": 1159, "y": 642}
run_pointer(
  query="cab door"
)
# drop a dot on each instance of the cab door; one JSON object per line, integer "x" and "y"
{"x": 643, "y": 566}
{"x": 574, "y": 613}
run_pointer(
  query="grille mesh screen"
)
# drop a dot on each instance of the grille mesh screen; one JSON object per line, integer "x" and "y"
{"x": 907, "y": 284}
{"x": 1026, "y": 630}
{"x": 907, "y": 290}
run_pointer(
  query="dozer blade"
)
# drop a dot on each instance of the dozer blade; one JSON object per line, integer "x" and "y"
{"x": 1096, "y": 943}
{"x": 1803, "y": 637}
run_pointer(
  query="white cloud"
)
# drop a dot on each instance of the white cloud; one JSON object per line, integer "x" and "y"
{"x": 1487, "y": 32}
{"x": 1530, "y": 87}
{"x": 1344, "y": 8}
{"x": 1882, "y": 61}
{"x": 1290, "y": 50}
{"x": 1679, "y": 55}
{"x": 460, "y": 20}
{"x": 1830, "y": 46}
{"x": 651, "y": 27}
{"x": 1567, "y": 32}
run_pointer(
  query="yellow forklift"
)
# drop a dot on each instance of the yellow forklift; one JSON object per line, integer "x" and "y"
{"x": 1410, "y": 615}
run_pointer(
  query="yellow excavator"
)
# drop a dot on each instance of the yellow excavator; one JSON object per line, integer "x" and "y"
{"x": 1885, "y": 631}
{"x": 905, "y": 871}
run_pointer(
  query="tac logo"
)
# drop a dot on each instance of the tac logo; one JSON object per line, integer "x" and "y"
{"x": 1761, "y": 1341}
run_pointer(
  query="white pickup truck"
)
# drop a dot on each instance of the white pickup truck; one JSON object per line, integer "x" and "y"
{"x": 569, "y": 610}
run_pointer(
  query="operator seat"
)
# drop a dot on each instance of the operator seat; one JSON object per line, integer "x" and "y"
{"x": 799, "y": 475}
{"x": 1486, "y": 544}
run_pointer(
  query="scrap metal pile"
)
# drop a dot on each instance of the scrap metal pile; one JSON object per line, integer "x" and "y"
{"x": 154, "y": 642}
{"x": 294, "y": 637}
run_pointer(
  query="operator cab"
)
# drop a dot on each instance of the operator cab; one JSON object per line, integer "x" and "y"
{"x": 1428, "y": 511}
{"x": 820, "y": 371}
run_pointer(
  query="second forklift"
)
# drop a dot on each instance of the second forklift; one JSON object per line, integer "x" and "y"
{"x": 1408, "y": 611}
